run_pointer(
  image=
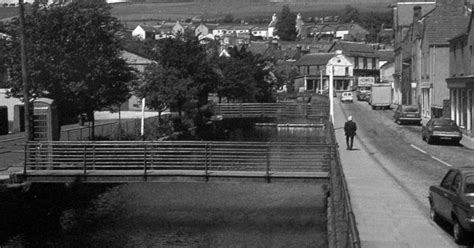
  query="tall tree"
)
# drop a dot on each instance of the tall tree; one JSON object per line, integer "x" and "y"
{"x": 73, "y": 58}
{"x": 350, "y": 14}
{"x": 195, "y": 75}
{"x": 286, "y": 25}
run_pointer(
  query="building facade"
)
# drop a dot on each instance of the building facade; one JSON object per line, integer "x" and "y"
{"x": 461, "y": 80}
{"x": 314, "y": 70}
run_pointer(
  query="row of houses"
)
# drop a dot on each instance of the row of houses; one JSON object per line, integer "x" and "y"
{"x": 327, "y": 31}
{"x": 433, "y": 58}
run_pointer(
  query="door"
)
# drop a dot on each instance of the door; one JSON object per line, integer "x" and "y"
{"x": 442, "y": 195}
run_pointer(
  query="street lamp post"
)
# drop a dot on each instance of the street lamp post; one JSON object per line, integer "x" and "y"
{"x": 24, "y": 72}
{"x": 330, "y": 93}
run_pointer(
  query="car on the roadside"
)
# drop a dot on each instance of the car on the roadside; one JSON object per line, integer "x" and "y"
{"x": 441, "y": 129}
{"x": 453, "y": 201}
{"x": 407, "y": 114}
{"x": 347, "y": 96}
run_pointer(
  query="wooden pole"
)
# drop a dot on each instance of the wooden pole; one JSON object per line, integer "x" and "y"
{"x": 24, "y": 73}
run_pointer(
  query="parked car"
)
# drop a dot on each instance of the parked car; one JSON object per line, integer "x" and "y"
{"x": 453, "y": 201}
{"x": 347, "y": 97}
{"x": 441, "y": 129}
{"x": 407, "y": 114}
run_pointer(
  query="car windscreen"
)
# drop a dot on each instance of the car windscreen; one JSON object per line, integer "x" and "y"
{"x": 410, "y": 109}
{"x": 444, "y": 123}
{"x": 469, "y": 185}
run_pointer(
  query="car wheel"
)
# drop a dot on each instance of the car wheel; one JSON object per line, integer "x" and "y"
{"x": 433, "y": 214}
{"x": 459, "y": 233}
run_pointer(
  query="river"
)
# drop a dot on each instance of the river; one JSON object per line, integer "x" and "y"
{"x": 224, "y": 214}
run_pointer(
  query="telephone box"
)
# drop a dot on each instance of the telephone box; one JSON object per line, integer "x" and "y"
{"x": 45, "y": 120}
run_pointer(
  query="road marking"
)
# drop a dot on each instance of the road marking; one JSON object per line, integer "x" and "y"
{"x": 441, "y": 161}
{"x": 417, "y": 148}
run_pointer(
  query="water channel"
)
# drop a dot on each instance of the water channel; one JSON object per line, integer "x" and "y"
{"x": 231, "y": 214}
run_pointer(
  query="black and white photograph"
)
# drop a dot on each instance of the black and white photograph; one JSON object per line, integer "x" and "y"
{"x": 237, "y": 123}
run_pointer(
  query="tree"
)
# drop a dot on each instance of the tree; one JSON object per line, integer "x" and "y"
{"x": 73, "y": 58}
{"x": 162, "y": 87}
{"x": 191, "y": 67}
{"x": 349, "y": 15}
{"x": 286, "y": 25}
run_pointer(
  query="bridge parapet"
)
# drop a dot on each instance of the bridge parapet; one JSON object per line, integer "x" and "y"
{"x": 61, "y": 161}
{"x": 273, "y": 110}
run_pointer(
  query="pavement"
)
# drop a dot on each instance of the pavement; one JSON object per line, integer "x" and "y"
{"x": 386, "y": 216}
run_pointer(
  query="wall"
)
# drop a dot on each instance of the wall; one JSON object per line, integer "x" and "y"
{"x": 10, "y": 103}
{"x": 441, "y": 72}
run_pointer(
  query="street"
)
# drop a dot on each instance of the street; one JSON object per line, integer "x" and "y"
{"x": 399, "y": 150}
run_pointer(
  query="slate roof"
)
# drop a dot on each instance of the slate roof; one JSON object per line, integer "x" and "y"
{"x": 315, "y": 59}
{"x": 442, "y": 24}
{"x": 147, "y": 28}
{"x": 354, "y": 49}
{"x": 385, "y": 55}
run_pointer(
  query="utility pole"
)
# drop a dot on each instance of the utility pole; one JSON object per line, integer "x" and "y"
{"x": 24, "y": 72}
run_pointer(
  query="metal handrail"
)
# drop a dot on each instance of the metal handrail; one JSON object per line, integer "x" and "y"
{"x": 177, "y": 155}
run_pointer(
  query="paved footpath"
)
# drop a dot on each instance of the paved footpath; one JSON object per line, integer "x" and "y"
{"x": 386, "y": 216}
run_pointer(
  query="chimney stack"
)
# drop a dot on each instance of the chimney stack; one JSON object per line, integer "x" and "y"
{"x": 416, "y": 13}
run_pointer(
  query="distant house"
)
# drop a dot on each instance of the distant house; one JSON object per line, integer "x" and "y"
{"x": 299, "y": 26}
{"x": 347, "y": 32}
{"x": 362, "y": 56}
{"x": 241, "y": 29}
{"x": 180, "y": 28}
{"x": 144, "y": 32}
{"x": 261, "y": 32}
{"x": 205, "y": 30}
{"x": 314, "y": 70}
{"x": 221, "y": 30}
{"x": 139, "y": 63}
{"x": 164, "y": 31}
{"x": 272, "y": 26}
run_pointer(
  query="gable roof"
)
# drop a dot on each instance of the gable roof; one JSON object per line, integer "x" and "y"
{"x": 444, "y": 23}
{"x": 354, "y": 49}
{"x": 385, "y": 55}
{"x": 147, "y": 28}
{"x": 315, "y": 59}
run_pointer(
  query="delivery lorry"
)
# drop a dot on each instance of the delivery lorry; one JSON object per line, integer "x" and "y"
{"x": 381, "y": 96}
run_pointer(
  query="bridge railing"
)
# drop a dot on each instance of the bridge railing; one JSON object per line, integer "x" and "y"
{"x": 206, "y": 157}
{"x": 279, "y": 109}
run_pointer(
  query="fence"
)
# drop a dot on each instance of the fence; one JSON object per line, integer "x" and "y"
{"x": 294, "y": 160}
{"x": 276, "y": 110}
{"x": 343, "y": 231}
{"x": 104, "y": 129}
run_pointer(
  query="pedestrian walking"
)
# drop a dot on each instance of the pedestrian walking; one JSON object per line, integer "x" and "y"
{"x": 350, "y": 129}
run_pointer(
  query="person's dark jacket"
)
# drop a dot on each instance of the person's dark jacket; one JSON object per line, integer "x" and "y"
{"x": 350, "y": 128}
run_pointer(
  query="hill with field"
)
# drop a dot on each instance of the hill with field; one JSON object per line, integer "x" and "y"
{"x": 150, "y": 11}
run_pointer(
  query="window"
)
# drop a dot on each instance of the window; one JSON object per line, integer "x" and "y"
{"x": 347, "y": 71}
{"x": 456, "y": 183}
{"x": 448, "y": 180}
{"x": 469, "y": 188}
{"x": 374, "y": 66}
{"x": 365, "y": 63}
{"x": 356, "y": 62}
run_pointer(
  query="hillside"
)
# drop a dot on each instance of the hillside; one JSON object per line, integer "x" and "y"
{"x": 149, "y": 11}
